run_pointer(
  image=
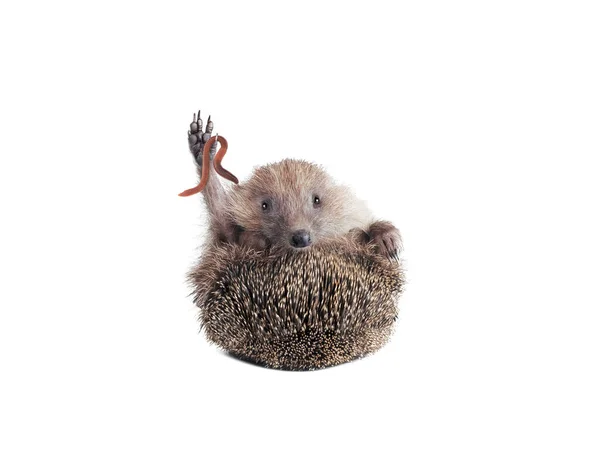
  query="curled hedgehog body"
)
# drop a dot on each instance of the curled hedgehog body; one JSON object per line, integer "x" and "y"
{"x": 295, "y": 273}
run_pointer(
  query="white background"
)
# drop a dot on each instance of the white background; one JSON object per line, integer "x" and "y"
{"x": 473, "y": 126}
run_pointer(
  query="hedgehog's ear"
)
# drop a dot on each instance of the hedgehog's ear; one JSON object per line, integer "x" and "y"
{"x": 236, "y": 232}
{"x": 253, "y": 240}
{"x": 229, "y": 232}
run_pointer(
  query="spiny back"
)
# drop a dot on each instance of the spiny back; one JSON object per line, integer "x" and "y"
{"x": 301, "y": 310}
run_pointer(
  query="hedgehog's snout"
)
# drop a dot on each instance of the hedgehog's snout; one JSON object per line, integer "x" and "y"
{"x": 300, "y": 238}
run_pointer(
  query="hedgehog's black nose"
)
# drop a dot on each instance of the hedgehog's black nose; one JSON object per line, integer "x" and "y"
{"x": 300, "y": 238}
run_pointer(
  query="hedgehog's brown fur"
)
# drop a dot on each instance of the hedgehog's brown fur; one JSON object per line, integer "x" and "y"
{"x": 289, "y": 185}
{"x": 301, "y": 310}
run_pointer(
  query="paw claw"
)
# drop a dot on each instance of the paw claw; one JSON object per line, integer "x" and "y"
{"x": 386, "y": 238}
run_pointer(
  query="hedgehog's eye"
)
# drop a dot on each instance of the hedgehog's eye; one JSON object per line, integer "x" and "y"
{"x": 316, "y": 201}
{"x": 266, "y": 205}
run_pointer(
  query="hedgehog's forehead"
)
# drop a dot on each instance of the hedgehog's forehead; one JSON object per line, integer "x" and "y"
{"x": 287, "y": 177}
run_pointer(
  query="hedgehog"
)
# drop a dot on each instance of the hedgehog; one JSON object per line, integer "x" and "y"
{"x": 295, "y": 273}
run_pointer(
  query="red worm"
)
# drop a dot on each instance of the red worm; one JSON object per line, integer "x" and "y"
{"x": 217, "y": 164}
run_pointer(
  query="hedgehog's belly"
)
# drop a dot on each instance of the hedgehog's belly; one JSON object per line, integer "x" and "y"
{"x": 302, "y": 311}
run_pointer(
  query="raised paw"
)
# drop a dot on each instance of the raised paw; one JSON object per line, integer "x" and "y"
{"x": 198, "y": 136}
{"x": 386, "y": 238}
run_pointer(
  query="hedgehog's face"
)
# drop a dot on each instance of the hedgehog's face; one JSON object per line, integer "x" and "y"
{"x": 292, "y": 204}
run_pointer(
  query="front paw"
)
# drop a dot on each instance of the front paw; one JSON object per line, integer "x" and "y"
{"x": 386, "y": 238}
{"x": 197, "y": 137}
